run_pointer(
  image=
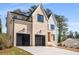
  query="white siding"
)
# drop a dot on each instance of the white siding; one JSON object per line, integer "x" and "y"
{"x": 52, "y": 20}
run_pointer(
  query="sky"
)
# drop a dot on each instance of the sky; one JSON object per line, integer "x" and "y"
{"x": 70, "y": 11}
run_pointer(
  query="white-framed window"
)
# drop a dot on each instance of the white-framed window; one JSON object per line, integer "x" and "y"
{"x": 52, "y": 27}
{"x": 40, "y": 18}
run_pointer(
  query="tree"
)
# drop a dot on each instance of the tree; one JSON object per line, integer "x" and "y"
{"x": 71, "y": 35}
{"x": 33, "y": 7}
{"x": 0, "y": 26}
{"x": 18, "y": 11}
{"x": 62, "y": 27}
{"x": 76, "y": 35}
{"x": 30, "y": 10}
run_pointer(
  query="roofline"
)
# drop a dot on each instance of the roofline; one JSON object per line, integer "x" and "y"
{"x": 33, "y": 12}
{"x": 54, "y": 18}
{"x": 40, "y": 4}
{"x": 42, "y": 9}
{"x": 19, "y": 14}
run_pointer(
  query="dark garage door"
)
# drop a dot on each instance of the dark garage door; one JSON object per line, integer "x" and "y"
{"x": 40, "y": 40}
{"x": 22, "y": 39}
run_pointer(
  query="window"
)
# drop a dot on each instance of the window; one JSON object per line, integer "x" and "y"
{"x": 40, "y": 18}
{"x": 53, "y": 37}
{"x": 52, "y": 27}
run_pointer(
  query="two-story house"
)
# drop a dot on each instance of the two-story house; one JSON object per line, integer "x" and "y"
{"x": 32, "y": 29}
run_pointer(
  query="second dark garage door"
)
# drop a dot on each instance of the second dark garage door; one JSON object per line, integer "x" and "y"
{"x": 39, "y": 40}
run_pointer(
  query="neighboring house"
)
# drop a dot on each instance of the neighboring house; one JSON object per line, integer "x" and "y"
{"x": 71, "y": 43}
{"x": 32, "y": 29}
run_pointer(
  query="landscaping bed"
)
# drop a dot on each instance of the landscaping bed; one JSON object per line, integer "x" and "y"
{"x": 14, "y": 51}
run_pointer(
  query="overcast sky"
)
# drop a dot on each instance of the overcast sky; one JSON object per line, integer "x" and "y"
{"x": 70, "y": 11}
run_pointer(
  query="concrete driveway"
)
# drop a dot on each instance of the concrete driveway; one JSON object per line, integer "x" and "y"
{"x": 48, "y": 51}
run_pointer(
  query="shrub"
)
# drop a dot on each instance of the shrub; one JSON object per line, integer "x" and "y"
{"x": 1, "y": 45}
{"x": 3, "y": 41}
{"x": 59, "y": 44}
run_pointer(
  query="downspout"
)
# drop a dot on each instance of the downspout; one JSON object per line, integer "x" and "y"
{"x": 13, "y": 34}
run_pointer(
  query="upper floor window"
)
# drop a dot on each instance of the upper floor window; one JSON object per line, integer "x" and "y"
{"x": 40, "y": 18}
{"x": 52, "y": 27}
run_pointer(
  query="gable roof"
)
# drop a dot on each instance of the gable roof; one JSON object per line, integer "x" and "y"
{"x": 48, "y": 12}
{"x": 43, "y": 10}
{"x": 19, "y": 12}
{"x": 52, "y": 15}
{"x": 29, "y": 15}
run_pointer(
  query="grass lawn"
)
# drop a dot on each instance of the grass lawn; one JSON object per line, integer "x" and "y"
{"x": 14, "y": 51}
{"x": 71, "y": 49}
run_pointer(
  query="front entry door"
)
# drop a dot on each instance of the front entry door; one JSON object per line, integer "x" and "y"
{"x": 49, "y": 36}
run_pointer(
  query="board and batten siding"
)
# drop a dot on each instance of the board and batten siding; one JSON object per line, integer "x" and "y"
{"x": 52, "y": 21}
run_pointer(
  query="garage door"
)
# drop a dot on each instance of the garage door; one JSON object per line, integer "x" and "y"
{"x": 40, "y": 40}
{"x": 22, "y": 39}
